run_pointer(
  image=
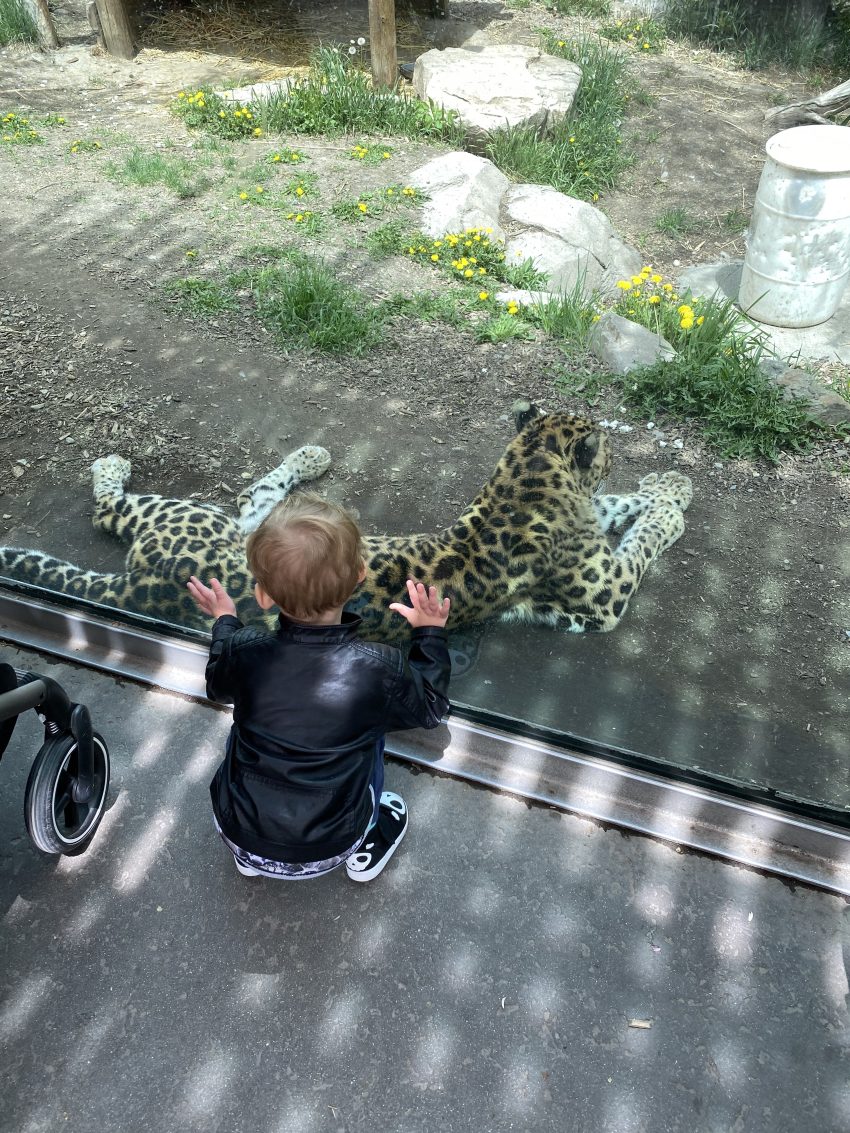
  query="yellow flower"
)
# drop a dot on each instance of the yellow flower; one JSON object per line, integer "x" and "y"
{"x": 243, "y": 196}
{"x": 624, "y": 285}
{"x": 684, "y": 310}
{"x": 221, "y": 114}
{"x": 299, "y": 192}
{"x": 299, "y": 217}
{"x": 182, "y": 94}
{"x": 482, "y": 295}
{"x": 362, "y": 206}
{"x": 257, "y": 132}
{"x": 191, "y": 252}
{"x": 686, "y": 323}
{"x": 700, "y": 320}
{"x": 637, "y": 280}
{"x": 572, "y": 140}
{"x": 667, "y": 287}
{"x": 657, "y": 278}
{"x": 260, "y": 189}
{"x": 482, "y": 271}
{"x": 468, "y": 274}
{"x": 385, "y": 155}
{"x": 295, "y": 157}
{"x": 275, "y": 157}
{"x": 646, "y": 47}
{"x": 435, "y": 258}
{"x": 513, "y": 307}
{"x": 654, "y": 299}
{"x": 637, "y": 293}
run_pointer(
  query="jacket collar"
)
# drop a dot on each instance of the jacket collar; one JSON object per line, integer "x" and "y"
{"x": 297, "y": 631}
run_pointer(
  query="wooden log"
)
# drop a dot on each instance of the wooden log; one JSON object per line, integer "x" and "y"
{"x": 811, "y": 110}
{"x": 40, "y": 12}
{"x": 382, "y": 43}
{"x": 117, "y": 32}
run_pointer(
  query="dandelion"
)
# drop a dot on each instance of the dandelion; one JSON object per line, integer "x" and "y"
{"x": 468, "y": 274}
{"x": 624, "y": 285}
{"x": 299, "y": 192}
{"x": 243, "y": 196}
{"x": 435, "y": 258}
{"x": 482, "y": 295}
{"x": 513, "y": 307}
{"x": 260, "y": 189}
{"x": 657, "y": 278}
{"x": 295, "y": 157}
{"x": 191, "y": 253}
{"x": 352, "y": 50}
{"x": 385, "y": 155}
{"x": 258, "y": 133}
{"x": 362, "y": 206}
{"x": 655, "y": 299}
{"x": 361, "y": 42}
{"x": 700, "y": 320}
{"x": 668, "y": 287}
{"x": 646, "y": 47}
{"x": 275, "y": 157}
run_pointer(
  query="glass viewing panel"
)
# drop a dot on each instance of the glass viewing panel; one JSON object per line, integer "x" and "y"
{"x": 156, "y": 337}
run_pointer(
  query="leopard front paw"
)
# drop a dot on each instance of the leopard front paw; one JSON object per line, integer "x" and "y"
{"x": 111, "y": 469}
{"x": 673, "y": 485}
{"x": 309, "y": 462}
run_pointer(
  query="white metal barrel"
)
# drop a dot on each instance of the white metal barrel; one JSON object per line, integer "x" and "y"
{"x": 798, "y": 253}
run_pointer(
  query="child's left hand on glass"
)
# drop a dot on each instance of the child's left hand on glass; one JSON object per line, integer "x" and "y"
{"x": 213, "y": 599}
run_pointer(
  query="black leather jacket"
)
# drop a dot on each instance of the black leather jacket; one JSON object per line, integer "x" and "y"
{"x": 310, "y": 704}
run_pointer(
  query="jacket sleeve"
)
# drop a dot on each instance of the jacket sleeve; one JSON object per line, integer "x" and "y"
{"x": 421, "y": 694}
{"x": 221, "y": 684}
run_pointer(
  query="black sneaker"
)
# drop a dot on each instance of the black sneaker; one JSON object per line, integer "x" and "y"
{"x": 382, "y": 841}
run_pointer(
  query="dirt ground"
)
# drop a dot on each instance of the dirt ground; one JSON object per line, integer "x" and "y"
{"x": 742, "y": 634}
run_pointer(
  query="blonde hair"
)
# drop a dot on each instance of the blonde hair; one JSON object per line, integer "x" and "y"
{"x": 307, "y": 555}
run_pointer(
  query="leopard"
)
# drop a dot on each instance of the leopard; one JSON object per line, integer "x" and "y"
{"x": 541, "y": 542}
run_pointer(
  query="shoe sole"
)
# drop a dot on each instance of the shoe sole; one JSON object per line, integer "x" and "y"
{"x": 379, "y": 867}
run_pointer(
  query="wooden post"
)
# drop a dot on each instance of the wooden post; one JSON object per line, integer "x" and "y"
{"x": 117, "y": 33}
{"x": 382, "y": 45}
{"x": 47, "y": 36}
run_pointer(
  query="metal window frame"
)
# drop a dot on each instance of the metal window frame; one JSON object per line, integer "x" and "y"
{"x": 779, "y": 836}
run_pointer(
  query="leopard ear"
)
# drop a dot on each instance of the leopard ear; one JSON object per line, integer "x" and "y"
{"x": 586, "y": 450}
{"x": 524, "y": 411}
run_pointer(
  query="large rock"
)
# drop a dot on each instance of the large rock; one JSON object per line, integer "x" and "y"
{"x": 499, "y": 86}
{"x": 825, "y": 406}
{"x": 464, "y": 191}
{"x": 623, "y": 345}
{"x": 568, "y": 239}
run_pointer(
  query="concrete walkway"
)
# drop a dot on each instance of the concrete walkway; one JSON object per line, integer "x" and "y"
{"x": 486, "y": 982}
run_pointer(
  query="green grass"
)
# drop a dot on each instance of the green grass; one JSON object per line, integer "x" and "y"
{"x": 505, "y": 327}
{"x": 336, "y": 98}
{"x": 196, "y": 296}
{"x": 584, "y": 155}
{"x": 305, "y": 305}
{"x": 568, "y": 317}
{"x": 143, "y": 168}
{"x": 738, "y": 410}
{"x": 676, "y": 222}
{"x": 643, "y": 33}
{"x": 787, "y": 34}
{"x": 15, "y": 130}
{"x": 16, "y": 23}
{"x": 593, "y": 8}
{"x": 450, "y": 307}
{"x": 389, "y": 239}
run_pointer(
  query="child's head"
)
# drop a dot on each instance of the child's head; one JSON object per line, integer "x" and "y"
{"x": 307, "y": 555}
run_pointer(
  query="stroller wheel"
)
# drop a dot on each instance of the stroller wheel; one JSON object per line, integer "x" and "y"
{"x": 55, "y": 821}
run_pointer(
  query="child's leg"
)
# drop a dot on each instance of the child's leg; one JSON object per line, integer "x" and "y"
{"x": 389, "y": 826}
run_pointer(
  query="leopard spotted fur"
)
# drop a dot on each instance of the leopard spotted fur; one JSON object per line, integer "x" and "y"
{"x": 536, "y": 544}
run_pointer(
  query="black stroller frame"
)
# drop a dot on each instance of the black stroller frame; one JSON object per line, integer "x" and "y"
{"x": 68, "y": 782}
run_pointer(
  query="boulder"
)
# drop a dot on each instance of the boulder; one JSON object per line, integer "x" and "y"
{"x": 492, "y": 88}
{"x": 623, "y": 345}
{"x": 568, "y": 239}
{"x": 824, "y": 406}
{"x": 464, "y": 191}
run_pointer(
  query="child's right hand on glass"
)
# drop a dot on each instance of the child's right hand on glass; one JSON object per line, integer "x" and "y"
{"x": 426, "y": 608}
{"x": 213, "y": 599}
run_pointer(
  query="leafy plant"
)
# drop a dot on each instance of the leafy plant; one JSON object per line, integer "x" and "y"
{"x": 584, "y": 154}
{"x": 676, "y": 222}
{"x": 789, "y": 34}
{"x": 200, "y": 296}
{"x": 175, "y": 173}
{"x": 304, "y": 304}
{"x": 644, "y": 34}
{"x": 15, "y": 130}
{"x": 16, "y": 23}
{"x": 336, "y": 97}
